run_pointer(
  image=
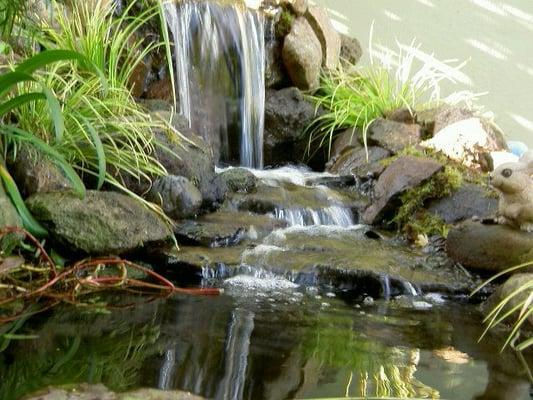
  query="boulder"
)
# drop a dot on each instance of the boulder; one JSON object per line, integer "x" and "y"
{"x": 513, "y": 284}
{"x": 346, "y": 140}
{"x": 160, "y": 90}
{"x": 103, "y": 223}
{"x": 351, "y": 50}
{"x": 191, "y": 159}
{"x": 354, "y": 161}
{"x": 275, "y": 73}
{"x": 328, "y": 37}
{"x": 239, "y": 180}
{"x": 35, "y": 173}
{"x": 287, "y": 115}
{"x": 302, "y": 55}
{"x": 393, "y": 136}
{"x": 489, "y": 247}
{"x": 448, "y": 115}
{"x": 470, "y": 200}
{"x": 466, "y": 141}
{"x": 176, "y": 195}
{"x": 405, "y": 173}
{"x": 298, "y": 7}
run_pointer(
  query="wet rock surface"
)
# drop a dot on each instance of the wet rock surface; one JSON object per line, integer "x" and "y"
{"x": 489, "y": 247}
{"x": 239, "y": 180}
{"x": 287, "y": 115}
{"x": 103, "y": 223}
{"x": 355, "y": 161}
{"x": 403, "y": 174}
{"x": 470, "y": 200}
{"x": 302, "y": 55}
{"x": 226, "y": 228}
{"x": 176, "y": 195}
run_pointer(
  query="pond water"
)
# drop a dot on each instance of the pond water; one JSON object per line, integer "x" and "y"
{"x": 269, "y": 341}
{"x": 493, "y": 35}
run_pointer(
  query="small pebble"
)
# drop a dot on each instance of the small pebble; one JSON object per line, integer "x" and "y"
{"x": 368, "y": 301}
{"x": 421, "y": 305}
{"x": 330, "y": 294}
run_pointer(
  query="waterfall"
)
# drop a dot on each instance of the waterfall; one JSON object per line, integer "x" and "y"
{"x": 219, "y": 57}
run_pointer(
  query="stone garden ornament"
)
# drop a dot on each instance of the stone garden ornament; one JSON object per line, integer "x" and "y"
{"x": 514, "y": 181}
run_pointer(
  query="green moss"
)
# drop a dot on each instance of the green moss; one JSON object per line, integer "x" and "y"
{"x": 284, "y": 24}
{"x": 412, "y": 218}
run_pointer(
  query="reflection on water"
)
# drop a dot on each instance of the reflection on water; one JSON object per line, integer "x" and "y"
{"x": 268, "y": 346}
{"x": 494, "y": 35}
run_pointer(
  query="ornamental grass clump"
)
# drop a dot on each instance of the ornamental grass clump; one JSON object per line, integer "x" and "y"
{"x": 355, "y": 96}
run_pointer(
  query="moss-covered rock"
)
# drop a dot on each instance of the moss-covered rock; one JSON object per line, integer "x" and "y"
{"x": 102, "y": 223}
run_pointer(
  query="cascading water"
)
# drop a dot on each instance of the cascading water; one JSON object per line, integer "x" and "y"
{"x": 220, "y": 69}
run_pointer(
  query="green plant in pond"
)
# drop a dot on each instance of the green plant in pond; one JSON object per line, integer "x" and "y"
{"x": 355, "y": 96}
{"x": 514, "y": 310}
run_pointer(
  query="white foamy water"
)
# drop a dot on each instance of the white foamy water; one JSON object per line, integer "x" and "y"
{"x": 265, "y": 284}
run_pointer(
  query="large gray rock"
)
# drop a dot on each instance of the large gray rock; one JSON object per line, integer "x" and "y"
{"x": 328, "y": 37}
{"x": 405, "y": 173}
{"x": 35, "y": 173}
{"x": 287, "y": 114}
{"x": 470, "y": 200}
{"x": 177, "y": 196}
{"x": 302, "y": 55}
{"x": 192, "y": 159}
{"x": 392, "y": 135}
{"x": 489, "y": 247}
{"x": 103, "y": 223}
{"x": 351, "y": 50}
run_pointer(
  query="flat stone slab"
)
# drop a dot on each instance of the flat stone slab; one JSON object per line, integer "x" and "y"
{"x": 405, "y": 173}
{"x": 489, "y": 247}
{"x": 103, "y": 223}
{"x": 226, "y": 228}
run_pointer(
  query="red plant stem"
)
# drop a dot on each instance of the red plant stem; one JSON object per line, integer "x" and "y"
{"x": 44, "y": 254}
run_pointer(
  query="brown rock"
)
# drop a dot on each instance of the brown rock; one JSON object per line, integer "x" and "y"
{"x": 354, "y": 161}
{"x": 302, "y": 55}
{"x": 393, "y": 136}
{"x": 328, "y": 37}
{"x": 403, "y": 174}
{"x": 351, "y": 50}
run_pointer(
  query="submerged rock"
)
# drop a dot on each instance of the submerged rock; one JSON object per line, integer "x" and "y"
{"x": 287, "y": 115}
{"x": 177, "y": 196}
{"x": 405, "y": 173}
{"x": 103, "y": 223}
{"x": 470, "y": 200}
{"x": 226, "y": 228}
{"x": 489, "y": 247}
{"x": 302, "y": 55}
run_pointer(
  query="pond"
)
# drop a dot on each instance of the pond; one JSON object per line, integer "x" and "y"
{"x": 269, "y": 340}
{"x": 494, "y": 36}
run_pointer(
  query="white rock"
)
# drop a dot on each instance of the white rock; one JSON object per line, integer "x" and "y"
{"x": 461, "y": 141}
{"x": 502, "y": 157}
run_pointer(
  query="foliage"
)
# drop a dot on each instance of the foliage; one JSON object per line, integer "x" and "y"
{"x": 10, "y": 11}
{"x": 514, "y": 310}
{"x": 411, "y": 217}
{"x": 354, "y": 97}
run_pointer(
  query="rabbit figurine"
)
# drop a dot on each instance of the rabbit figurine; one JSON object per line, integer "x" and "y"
{"x": 515, "y": 183}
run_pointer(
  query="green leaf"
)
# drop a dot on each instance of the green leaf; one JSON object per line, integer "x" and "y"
{"x": 56, "y": 113}
{"x": 12, "y": 78}
{"x": 100, "y": 151}
{"x": 30, "y": 223}
{"x": 19, "y": 100}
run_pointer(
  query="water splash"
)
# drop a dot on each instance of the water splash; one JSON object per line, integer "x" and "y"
{"x": 332, "y": 215}
{"x": 220, "y": 68}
